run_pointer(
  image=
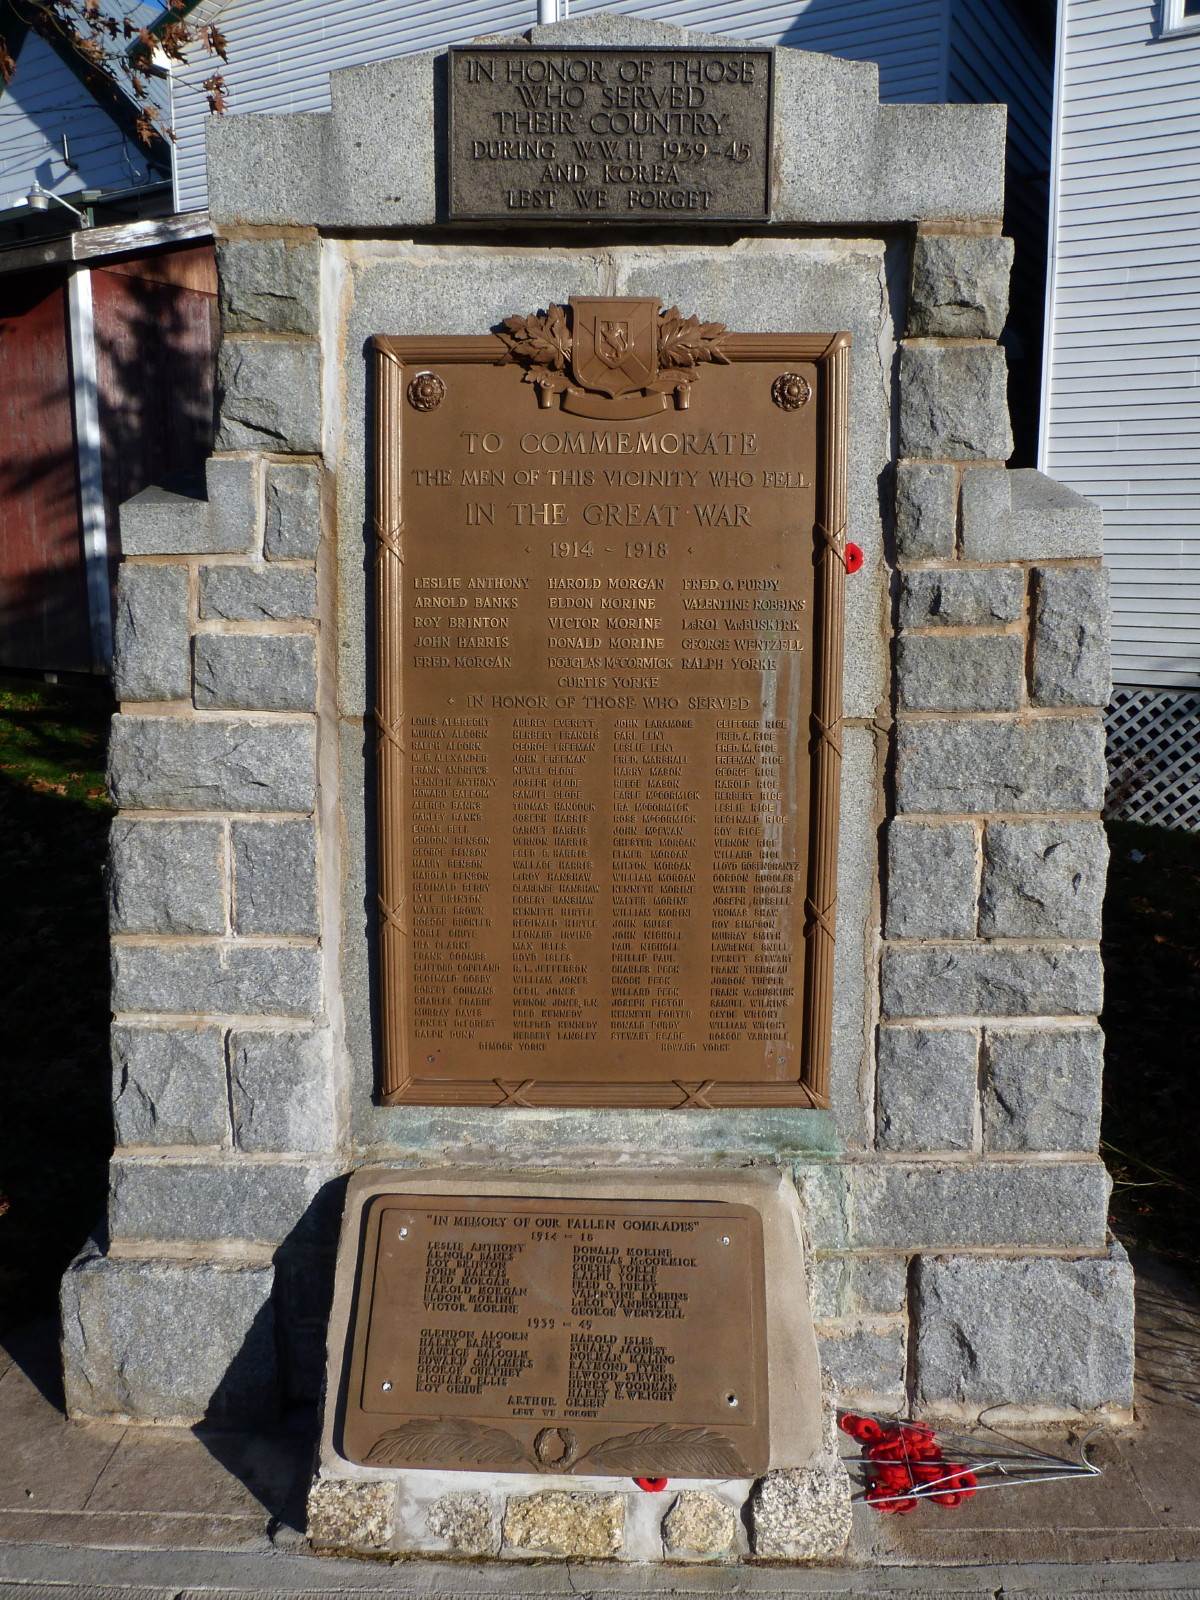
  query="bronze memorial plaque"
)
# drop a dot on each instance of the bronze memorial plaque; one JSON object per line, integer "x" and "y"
{"x": 590, "y": 1336}
{"x": 610, "y": 135}
{"x": 610, "y": 564}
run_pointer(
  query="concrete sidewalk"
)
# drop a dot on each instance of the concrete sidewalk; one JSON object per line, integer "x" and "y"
{"x": 88, "y": 1510}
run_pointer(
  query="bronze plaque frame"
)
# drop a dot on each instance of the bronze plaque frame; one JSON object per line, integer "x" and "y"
{"x": 641, "y": 1325}
{"x": 397, "y": 361}
{"x": 478, "y": 201}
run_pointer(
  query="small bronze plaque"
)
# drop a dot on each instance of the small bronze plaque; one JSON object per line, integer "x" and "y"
{"x": 610, "y": 135}
{"x": 539, "y": 1335}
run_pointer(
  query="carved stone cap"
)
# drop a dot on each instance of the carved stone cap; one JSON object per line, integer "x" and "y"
{"x": 840, "y": 157}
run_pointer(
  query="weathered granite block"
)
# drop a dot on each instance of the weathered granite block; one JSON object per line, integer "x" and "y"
{"x": 270, "y": 395}
{"x": 926, "y": 511}
{"x": 940, "y": 161}
{"x": 801, "y": 1514}
{"x": 948, "y": 764}
{"x": 269, "y": 285}
{"x": 169, "y": 1085}
{"x": 1022, "y": 515}
{"x": 160, "y": 522}
{"x": 1044, "y": 879}
{"x": 990, "y": 981}
{"x": 166, "y": 877}
{"x": 824, "y": 1188}
{"x": 238, "y": 1198}
{"x": 959, "y": 285}
{"x": 255, "y": 672}
{"x": 281, "y": 1090}
{"x": 344, "y": 1514}
{"x": 467, "y": 1524}
{"x": 932, "y": 880}
{"x": 583, "y": 1526}
{"x": 954, "y": 402}
{"x": 272, "y": 173}
{"x": 1041, "y": 1088}
{"x": 293, "y": 529}
{"x": 400, "y": 182}
{"x": 258, "y": 594}
{"x": 234, "y": 487}
{"x": 168, "y": 1341}
{"x": 217, "y": 980}
{"x": 926, "y": 1088}
{"x": 864, "y": 1360}
{"x": 1049, "y": 1333}
{"x": 878, "y": 1284}
{"x": 184, "y": 764}
{"x": 961, "y": 672}
{"x": 961, "y": 597}
{"x": 855, "y": 1286}
{"x": 275, "y": 877}
{"x": 1070, "y": 637}
{"x": 699, "y": 1524}
{"x": 150, "y": 638}
{"x": 930, "y": 1205}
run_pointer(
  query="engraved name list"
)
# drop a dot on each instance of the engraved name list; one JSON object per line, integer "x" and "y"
{"x": 606, "y": 660}
{"x": 559, "y": 1335}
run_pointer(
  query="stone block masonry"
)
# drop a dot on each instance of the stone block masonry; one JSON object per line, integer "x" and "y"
{"x": 988, "y": 1056}
{"x": 224, "y": 1105}
{"x": 953, "y": 1194}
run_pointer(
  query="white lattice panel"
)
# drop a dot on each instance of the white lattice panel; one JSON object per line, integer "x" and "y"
{"x": 1154, "y": 758}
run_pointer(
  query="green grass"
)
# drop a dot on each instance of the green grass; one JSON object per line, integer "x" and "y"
{"x": 55, "y": 1130}
{"x": 1152, "y": 1025}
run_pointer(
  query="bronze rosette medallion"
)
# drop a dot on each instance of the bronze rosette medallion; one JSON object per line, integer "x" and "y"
{"x": 790, "y": 391}
{"x": 426, "y": 392}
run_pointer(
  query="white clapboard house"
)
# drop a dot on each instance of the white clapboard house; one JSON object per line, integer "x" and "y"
{"x": 1121, "y": 403}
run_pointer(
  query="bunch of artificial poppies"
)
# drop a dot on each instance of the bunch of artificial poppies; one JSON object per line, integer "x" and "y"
{"x": 903, "y": 1463}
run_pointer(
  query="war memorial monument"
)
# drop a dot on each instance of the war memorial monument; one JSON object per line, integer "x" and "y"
{"x": 607, "y": 886}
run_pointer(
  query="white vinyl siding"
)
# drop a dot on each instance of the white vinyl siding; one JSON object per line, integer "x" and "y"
{"x": 44, "y": 101}
{"x": 1122, "y": 419}
{"x": 281, "y": 55}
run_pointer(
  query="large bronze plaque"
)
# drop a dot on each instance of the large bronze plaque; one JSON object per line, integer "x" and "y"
{"x": 590, "y": 1336}
{"x": 610, "y": 135}
{"x": 608, "y": 703}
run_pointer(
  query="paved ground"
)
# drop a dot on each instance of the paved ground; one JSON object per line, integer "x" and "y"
{"x": 109, "y": 1513}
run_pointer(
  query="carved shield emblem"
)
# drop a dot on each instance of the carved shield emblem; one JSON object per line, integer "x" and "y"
{"x": 614, "y": 344}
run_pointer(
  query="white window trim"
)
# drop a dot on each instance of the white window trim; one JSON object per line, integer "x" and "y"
{"x": 1174, "y": 22}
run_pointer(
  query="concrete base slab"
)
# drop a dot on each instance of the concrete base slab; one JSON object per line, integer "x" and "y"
{"x": 39, "y": 1572}
{"x": 92, "y": 1510}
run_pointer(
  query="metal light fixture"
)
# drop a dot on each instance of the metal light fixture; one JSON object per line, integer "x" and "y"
{"x": 38, "y": 199}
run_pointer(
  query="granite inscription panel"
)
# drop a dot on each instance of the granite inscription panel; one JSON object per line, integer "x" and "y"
{"x": 610, "y": 135}
{"x": 590, "y": 1336}
{"x": 606, "y": 630}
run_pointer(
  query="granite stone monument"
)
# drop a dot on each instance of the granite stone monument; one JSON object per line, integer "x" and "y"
{"x": 525, "y": 917}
